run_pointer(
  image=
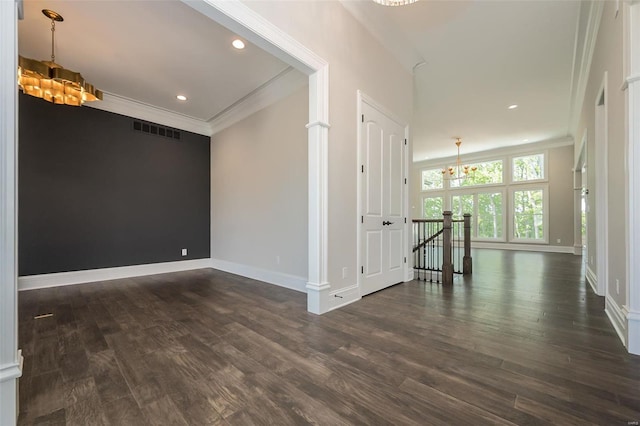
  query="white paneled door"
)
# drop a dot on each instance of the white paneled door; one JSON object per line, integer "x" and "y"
{"x": 382, "y": 217}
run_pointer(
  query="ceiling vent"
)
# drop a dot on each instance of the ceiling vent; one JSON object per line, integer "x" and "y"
{"x": 155, "y": 129}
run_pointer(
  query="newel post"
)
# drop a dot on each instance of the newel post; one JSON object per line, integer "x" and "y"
{"x": 447, "y": 266}
{"x": 466, "y": 260}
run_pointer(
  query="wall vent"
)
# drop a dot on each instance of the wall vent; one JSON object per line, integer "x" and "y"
{"x": 155, "y": 129}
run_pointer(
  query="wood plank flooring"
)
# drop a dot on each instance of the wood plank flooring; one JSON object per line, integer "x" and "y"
{"x": 522, "y": 341}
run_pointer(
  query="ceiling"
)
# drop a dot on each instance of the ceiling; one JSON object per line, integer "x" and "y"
{"x": 472, "y": 59}
{"x": 149, "y": 51}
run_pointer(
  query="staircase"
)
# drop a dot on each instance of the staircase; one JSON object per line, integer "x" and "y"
{"x": 441, "y": 248}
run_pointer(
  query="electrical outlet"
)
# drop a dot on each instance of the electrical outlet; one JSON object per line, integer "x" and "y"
{"x": 277, "y": 260}
{"x": 558, "y": 241}
{"x": 344, "y": 272}
{"x": 184, "y": 252}
{"x": 617, "y": 286}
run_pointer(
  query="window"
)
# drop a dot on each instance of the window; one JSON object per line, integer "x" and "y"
{"x": 490, "y": 216}
{"x": 487, "y": 173}
{"x": 461, "y": 204}
{"x": 432, "y": 207}
{"x": 529, "y": 167}
{"x": 529, "y": 214}
{"x": 431, "y": 179}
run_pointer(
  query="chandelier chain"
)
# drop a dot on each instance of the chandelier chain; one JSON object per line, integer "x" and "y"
{"x": 53, "y": 35}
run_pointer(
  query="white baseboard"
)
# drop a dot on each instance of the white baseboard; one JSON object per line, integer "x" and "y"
{"x": 592, "y": 279}
{"x": 344, "y": 296}
{"x": 633, "y": 330}
{"x": 272, "y": 277}
{"x": 617, "y": 317}
{"x": 525, "y": 247}
{"x": 32, "y": 282}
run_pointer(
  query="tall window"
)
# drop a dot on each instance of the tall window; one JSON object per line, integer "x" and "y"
{"x": 529, "y": 167}
{"x": 487, "y": 173}
{"x": 431, "y": 179}
{"x": 529, "y": 222}
{"x": 489, "y": 215}
{"x": 432, "y": 207}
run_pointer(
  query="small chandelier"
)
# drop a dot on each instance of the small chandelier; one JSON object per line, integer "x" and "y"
{"x": 395, "y": 2}
{"x": 459, "y": 172}
{"x": 52, "y": 82}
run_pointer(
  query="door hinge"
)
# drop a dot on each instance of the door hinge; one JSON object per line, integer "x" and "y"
{"x": 405, "y": 260}
{"x": 405, "y": 141}
{"x": 405, "y": 181}
{"x": 363, "y": 118}
{"x": 361, "y": 219}
{"x": 362, "y": 269}
{"x": 405, "y": 220}
{"x": 362, "y": 168}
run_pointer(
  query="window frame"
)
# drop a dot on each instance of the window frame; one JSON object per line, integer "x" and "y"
{"x": 485, "y": 189}
{"x": 545, "y": 213}
{"x": 425, "y": 169}
{"x": 479, "y": 185}
{"x": 430, "y": 194}
{"x": 545, "y": 167}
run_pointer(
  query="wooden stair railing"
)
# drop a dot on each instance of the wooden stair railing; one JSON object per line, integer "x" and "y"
{"x": 442, "y": 247}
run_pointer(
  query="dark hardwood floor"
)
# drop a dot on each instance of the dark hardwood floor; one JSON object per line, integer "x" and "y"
{"x": 524, "y": 341}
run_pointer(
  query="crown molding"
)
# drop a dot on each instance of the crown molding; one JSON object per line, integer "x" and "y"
{"x": 136, "y": 109}
{"x": 279, "y": 87}
{"x": 585, "y": 44}
{"x": 501, "y": 152}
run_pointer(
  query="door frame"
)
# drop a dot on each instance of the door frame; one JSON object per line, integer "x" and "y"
{"x": 362, "y": 98}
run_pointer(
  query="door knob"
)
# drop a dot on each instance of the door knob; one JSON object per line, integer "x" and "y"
{"x": 386, "y": 222}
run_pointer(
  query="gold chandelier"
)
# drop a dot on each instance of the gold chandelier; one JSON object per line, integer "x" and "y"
{"x": 459, "y": 172}
{"x": 395, "y": 2}
{"x": 52, "y": 82}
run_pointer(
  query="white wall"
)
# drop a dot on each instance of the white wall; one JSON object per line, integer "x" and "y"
{"x": 259, "y": 192}
{"x": 608, "y": 57}
{"x": 356, "y": 62}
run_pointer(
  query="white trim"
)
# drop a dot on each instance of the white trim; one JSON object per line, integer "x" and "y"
{"x": 495, "y": 154}
{"x": 577, "y": 249}
{"x": 631, "y": 54}
{"x": 633, "y": 330}
{"x": 32, "y": 282}
{"x": 279, "y": 87}
{"x": 617, "y": 318}
{"x": 9, "y": 356}
{"x": 11, "y": 371}
{"x": 545, "y": 248}
{"x": 345, "y": 296}
{"x": 582, "y": 61}
{"x": 592, "y": 279}
{"x": 602, "y": 189}
{"x": 244, "y": 21}
{"x": 136, "y": 109}
{"x": 281, "y": 279}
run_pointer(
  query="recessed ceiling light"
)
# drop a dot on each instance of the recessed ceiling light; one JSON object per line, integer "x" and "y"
{"x": 525, "y": 140}
{"x": 181, "y": 97}
{"x": 238, "y": 44}
{"x": 514, "y": 106}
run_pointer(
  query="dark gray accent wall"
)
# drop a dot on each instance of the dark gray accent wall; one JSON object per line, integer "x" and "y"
{"x": 95, "y": 193}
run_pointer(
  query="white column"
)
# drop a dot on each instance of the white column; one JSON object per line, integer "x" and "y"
{"x": 318, "y": 285}
{"x": 633, "y": 209}
{"x": 9, "y": 357}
